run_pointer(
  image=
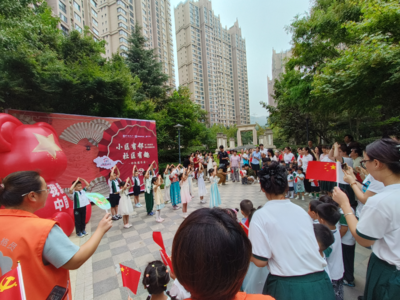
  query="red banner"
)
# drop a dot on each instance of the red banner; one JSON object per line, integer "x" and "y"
{"x": 93, "y": 145}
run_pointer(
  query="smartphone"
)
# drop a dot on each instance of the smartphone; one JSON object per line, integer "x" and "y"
{"x": 345, "y": 167}
{"x": 58, "y": 293}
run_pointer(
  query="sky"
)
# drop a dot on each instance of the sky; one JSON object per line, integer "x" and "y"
{"x": 263, "y": 25}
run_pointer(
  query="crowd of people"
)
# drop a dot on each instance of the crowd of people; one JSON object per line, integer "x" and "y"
{"x": 276, "y": 251}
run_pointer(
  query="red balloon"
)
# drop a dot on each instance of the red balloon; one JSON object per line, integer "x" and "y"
{"x": 65, "y": 221}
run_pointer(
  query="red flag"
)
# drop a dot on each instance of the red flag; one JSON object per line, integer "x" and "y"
{"x": 324, "y": 171}
{"x": 130, "y": 278}
{"x": 157, "y": 237}
{"x": 12, "y": 285}
{"x": 245, "y": 226}
{"x": 166, "y": 260}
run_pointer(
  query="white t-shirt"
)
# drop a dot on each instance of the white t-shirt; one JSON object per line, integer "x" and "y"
{"x": 282, "y": 233}
{"x": 265, "y": 151}
{"x": 290, "y": 177}
{"x": 335, "y": 257}
{"x": 275, "y": 158}
{"x": 326, "y": 158}
{"x": 323, "y": 156}
{"x": 327, "y": 268}
{"x": 380, "y": 221}
{"x": 305, "y": 160}
{"x": 372, "y": 185}
{"x": 348, "y": 239}
{"x": 349, "y": 162}
{"x": 288, "y": 157}
{"x": 116, "y": 185}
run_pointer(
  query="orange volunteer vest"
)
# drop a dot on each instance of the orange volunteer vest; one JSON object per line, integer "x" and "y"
{"x": 22, "y": 238}
{"x": 244, "y": 296}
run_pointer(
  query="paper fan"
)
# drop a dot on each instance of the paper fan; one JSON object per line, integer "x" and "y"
{"x": 79, "y": 131}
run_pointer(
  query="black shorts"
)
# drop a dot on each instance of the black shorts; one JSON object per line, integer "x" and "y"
{"x": 255, "y": 167}
{"x": 315, "y": 189}
{"x": 136, "y": 190}
{"x": 291, "y": 188}
{"x": 114, "y": 199}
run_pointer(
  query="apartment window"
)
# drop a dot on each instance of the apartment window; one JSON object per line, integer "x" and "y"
{"x": 95, "y": 23}
{"x": 95, "y": 31}
{"x": 78, "y": 28}
{"x": 131, "y": 14}
{"x": 120, "y": 24}
{"x": 94, "y": 13}
{"x": 121, "y": 32}
{"x": 62, "y": 7}
{"x": 125, "y": 48}
{"x": 77, "y": 6}
{"x": 64, "y": 18}
{"x": 77, "y": 17}
{"x": 120, "y": 10}
{"x": 64, "y": 29}
{"x": 123, "y": 40}
{"x": 122, "y": 18}
{"x": 93, "y": 3}
{"x": 119, "y": 2}
{"x": 132, "y": 21}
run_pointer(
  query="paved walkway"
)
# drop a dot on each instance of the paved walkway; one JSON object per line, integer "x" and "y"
{"x": 99, "y": 278}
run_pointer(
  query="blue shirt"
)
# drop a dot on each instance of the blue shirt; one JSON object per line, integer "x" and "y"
{"x": 256, "y": 158}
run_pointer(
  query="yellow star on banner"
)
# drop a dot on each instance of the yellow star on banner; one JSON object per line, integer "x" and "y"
{"x": 46, "y": 144}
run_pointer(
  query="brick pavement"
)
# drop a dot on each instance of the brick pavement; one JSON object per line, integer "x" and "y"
{"x": 99, "y": 278}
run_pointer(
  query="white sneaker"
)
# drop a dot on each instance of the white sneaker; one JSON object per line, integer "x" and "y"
{"x": 297, "y": 198}
{"x": 291, "y": 197}
{"x": 302, "y": 198}
{"x": 137, "y": 204}
{"x": 306, "y": 194}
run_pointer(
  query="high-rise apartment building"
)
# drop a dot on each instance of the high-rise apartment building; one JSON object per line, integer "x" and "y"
{"x": 212, "y": 62}
{"x": 278, "y": 67}
{"x": 76, "y": 14}
{"x": 117, "y": 19}
{"x": 114, "y": 21}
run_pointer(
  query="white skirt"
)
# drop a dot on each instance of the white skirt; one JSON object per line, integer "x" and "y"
{"x": 125, "y": 207}
{"x": 201, "y": 187}
{"x": 167, "y": 193}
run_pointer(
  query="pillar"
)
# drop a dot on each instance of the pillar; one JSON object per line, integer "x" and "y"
{"x": 231, "y": 143}
{"x": 239, "y": 138}
{"x": 254, "y": 137}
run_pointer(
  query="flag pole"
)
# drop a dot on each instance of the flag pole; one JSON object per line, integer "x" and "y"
{"x": 21, "y": 282}
{"x": 338, "y": 165}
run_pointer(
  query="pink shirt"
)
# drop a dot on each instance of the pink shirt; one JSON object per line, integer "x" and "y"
{"x": 235, "y": 160}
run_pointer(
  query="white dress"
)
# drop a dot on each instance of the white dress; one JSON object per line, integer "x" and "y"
{"x": 190, "y": 182}
{"x": 125, "y": 207}
{"x": 185, "y": 192}
{"x": 209, "y": 164}
{"x": 201, "y": 185}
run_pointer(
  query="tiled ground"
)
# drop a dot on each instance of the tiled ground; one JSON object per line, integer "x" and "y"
{"x": 99, "y": 277}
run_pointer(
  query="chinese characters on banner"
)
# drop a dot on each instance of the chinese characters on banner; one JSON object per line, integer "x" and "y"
{"x": 133, "y": 142}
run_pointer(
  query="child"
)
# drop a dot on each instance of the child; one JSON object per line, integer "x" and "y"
{"x": 312, "y": 210}
{"x": 201, "y": 185}
{"x": 185, "y": 192}
{"x": 80, "y": 203}
{"x": 125, "y": 205}
{"x": 175, "y": 190}
{"x": 215, "y": 198}
{"x": 329, "y": 215}
{"x": 155, "y": 280}
{"x": 167, "y": 185}
{"x": 348, "y": 250}
{"x": 136, "y": 186}
{"x": 190, "y": 174}
{"x": 247, "y": 210}
{"x": 294, "y": 173}
{"x": 290, "y": 183}
{"x": 114, "y": 193}
{"x": 156, "y": 182}
{"x": 314, "y": 189}
{"x": 300, "y": 183}
{"x": 243, "y": 174}
{"x": 148, "y": 193}
{"x": 324, "y": 238}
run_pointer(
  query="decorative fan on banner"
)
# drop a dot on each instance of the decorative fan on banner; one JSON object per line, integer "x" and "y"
{"x": 132, "y": 142}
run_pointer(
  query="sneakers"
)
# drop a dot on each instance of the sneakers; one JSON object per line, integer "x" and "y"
{"x": 119, "y": 216}
{"x": 302, "y": 198}
{"x": 176, "y": 207}
{"x": 80, "y": 235}
{"x": 114, "y": 218}
{"x": 291, "y": 197}
{"x": 160, "y": 220}
{"x": 297, "y": 198}
{"x": 305, "y": 194}
{"x": 84, "y": 233}
{"x": 350, "y": 284}
{"x": 127, "y": 226}
{"x": 137, "y": 205}
{"x": 151, "y": 213}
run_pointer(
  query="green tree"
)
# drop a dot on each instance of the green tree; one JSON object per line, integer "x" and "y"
{"x": 144, "y": 64}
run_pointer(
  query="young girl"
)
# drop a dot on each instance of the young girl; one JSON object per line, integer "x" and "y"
{"x": 314, "y": 189}
{"x": 148, "y": 193}
{"x": 156, "y": 182}
{"x": 125, "y": 203}
{"x": 190, "y": 174}
{"x": 185, "y": 192}
{"x": 174, "y": 189}
{"x": 167, "y": 185}
{"x": 114, "y": 198}
{"x": 136, "y": 186}
{"x": 155, "y": 280}
{"x": 290, "y": 178}
{"x": 300, "y": 183}
{"x": 255, "y": 278}
{"x": 215, "y": 198}
{"x": 201, "y": 185}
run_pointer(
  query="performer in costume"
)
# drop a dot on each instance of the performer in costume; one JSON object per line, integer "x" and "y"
{"x": 190, "y": 173}
{"x": 174, "y": 189}
{"x": 125, "y": 203}
{"x": 148, "y": 193}
{"x": 136, "y": 186}
{"x": 215, "y": 198}
{"x": 186, "y": 197}
{"x": 167, "y": 184}
{"x": 157, "y": 182}
{"x": 201, "y": 185}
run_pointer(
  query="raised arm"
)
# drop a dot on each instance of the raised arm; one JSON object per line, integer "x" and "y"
{"x": 71, "y": 189}
{"x": 133, "y": 170}
{"x": 357, "y": 187}
{"x": 315, "y": 155}
{"x": 166, "y": 170}
{"x": 118, "y": 172}
{"x": 331, "y": 154}
{"x": 336, "y": 153}
{"x": 87, "y": 183}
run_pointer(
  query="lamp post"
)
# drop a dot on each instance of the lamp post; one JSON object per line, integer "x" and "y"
{"x": 179, "y": 126}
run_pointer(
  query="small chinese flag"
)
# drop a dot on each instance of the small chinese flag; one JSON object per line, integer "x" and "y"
{"x": 166, "y": 259}
{"x": 324, "y": 171}
{"x": 130, "y": 278}
{"x": 12, "y": 285}
{"x": 157, "y": 237}
{"x": 245, "y": 226}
